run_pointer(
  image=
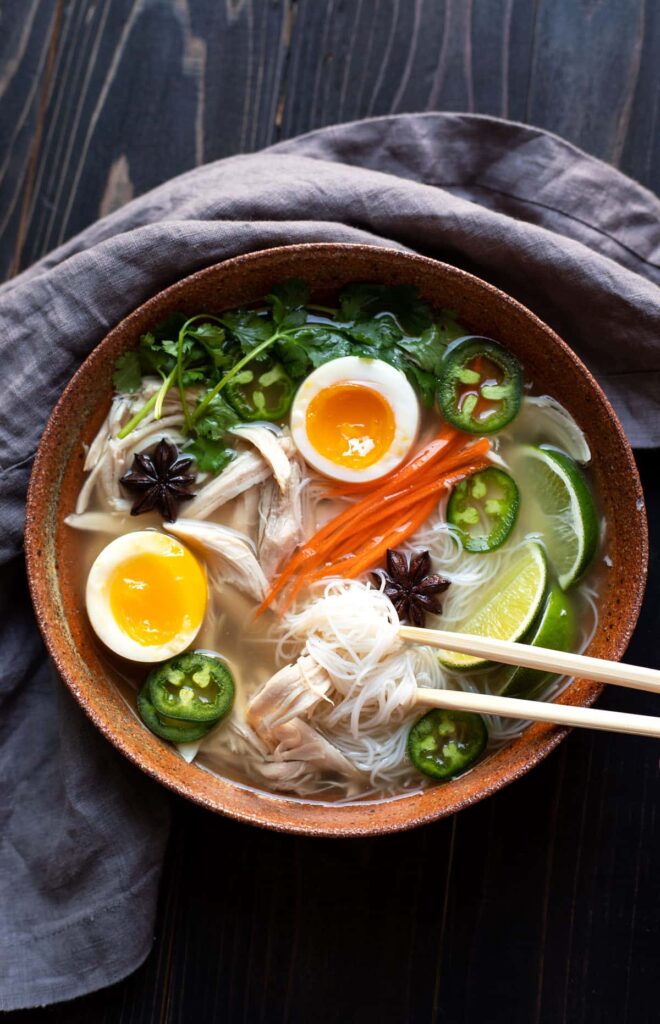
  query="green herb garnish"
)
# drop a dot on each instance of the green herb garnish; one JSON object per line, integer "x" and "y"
{"x": 127, "y": 374}
{"x": 207, "y": 352}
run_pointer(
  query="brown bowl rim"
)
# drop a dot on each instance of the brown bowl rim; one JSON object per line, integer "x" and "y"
{"x": 541, "y": 739}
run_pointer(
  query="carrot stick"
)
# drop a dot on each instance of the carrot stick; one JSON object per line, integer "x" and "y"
{"x": 417, "y": 480}
{"x": 388, "y": 527}
{"x": 314, "y": 549}
{"x": 351, "y": 567}
{"x": 399, "y": 483}
{"x": 429, "y": 471}
{"x": 430, "y": 453}
{"x": 386, "y": 512}
{"x": 419, "y": 490}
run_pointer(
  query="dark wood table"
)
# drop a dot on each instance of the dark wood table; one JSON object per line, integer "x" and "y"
{"x": 541, "y": 904}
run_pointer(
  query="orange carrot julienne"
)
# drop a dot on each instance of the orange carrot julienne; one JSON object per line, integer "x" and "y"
{"x": 410, "y": 494}
{"x": 429, "y": 453}
{"x": 388, "y": 523}
{"x": 342, "y": 526}
{"x": 338, "y": 559}
{"x": 343, "y": 563}
{"x": 426, "y": 473}
{"x": 383, "y": 513}
{"x": 353, "y": 566}
{"x": 433, "y": 481}
{"x": 395, "y": 537}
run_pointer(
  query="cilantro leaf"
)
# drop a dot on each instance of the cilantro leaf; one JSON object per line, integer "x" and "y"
{"x": 191, "y": 377}
{"x": 248, "y": 327}
{"x": 171, "y": 347}
{"x": 153, "y": 358}
{"x": 288, "y": 301}
{"x": 424, "y": 384}
{"x": 217, "y": 419}
{"x": 381, "y": 332}
{"x": 213, "y": 344}
{"x": 209, "y": 334}
{"x": 359, "y": 302}
{"x": 294, "y": 357}
{"x": 127, "y": 375}
{"x": 321, "y": 344}
{"x": 426, "y": 351}
{"x": 448, "y": 327}
{"x": 210, "y": 455}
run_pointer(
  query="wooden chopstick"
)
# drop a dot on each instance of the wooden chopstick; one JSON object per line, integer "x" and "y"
{"x": 558, "y": 662}
{"x": 538, "y": 711}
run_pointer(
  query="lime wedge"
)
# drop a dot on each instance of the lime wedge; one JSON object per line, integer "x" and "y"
{"x": 556, "y": 629}
{"x": 507, "y": 608}
{"x": 563, "y": 510}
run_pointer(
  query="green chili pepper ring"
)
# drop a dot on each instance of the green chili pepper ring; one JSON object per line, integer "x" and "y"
{"x": 192, "y": 687}
{"x": 262, "y": 393}
{"x": 444, "y": 743}
{"x": 484, "y": 508}
{"x": 168, "y": 728}
{"x": 480, "y": 389}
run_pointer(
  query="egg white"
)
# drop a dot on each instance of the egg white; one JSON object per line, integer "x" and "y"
{"x": 390, "y": 383}
{"x": 97, "y": 598}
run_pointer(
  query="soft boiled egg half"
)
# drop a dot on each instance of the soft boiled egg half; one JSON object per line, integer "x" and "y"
{"x": 146, "y": 596}
{"x": 355, "y": 419}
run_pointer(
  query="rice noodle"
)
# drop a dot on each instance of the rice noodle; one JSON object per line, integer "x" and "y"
{"x": 350, "y": 629}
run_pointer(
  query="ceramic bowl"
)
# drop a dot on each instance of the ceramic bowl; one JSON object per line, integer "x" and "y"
{"x": 58, "y": 473}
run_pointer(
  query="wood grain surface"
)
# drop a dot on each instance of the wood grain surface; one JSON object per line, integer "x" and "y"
{"x": 541, "y": 904}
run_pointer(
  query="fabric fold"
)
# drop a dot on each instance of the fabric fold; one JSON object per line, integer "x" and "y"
{"x": 82, "y": 832}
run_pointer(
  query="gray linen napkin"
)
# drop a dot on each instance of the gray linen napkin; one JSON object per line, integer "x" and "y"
{"x": 81, "y": 832}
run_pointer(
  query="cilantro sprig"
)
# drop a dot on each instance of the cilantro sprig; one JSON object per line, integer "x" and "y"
{"x": 201, "y": 354}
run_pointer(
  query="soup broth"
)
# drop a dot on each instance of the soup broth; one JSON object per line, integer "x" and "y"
{"x": 362, "y": 732}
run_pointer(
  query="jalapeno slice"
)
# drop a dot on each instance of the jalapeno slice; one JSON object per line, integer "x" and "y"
{"x": 480, "y": 389}
{"x": 484, "y": 508}
{"x": 262, "y": 393}
{"x": 192, "y": 687}
{"x": 168, "y": 728}
{"x": 444, "y": 743}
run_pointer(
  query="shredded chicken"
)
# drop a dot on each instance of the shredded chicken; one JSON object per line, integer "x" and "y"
{"x": 108, "y": 456}
{"x": 274, "y": 449}
{"x": 229, "y": 554}
{"x": 277, "y": 714}
{"x": 298, "y": 753}
{"x": 280, "y": 521}
{"x": 292, "y": 692}
{"x": 98, "y": 522}
{"x": 242, "y": 514}
{"x": 110, "y": 426}
{"x": 115, "y": 465}
{"x": 167, "y": 426}
{"x": 298, "y": 741}
{"x": 87, "y": 489}
{"x": 247, "y": 470}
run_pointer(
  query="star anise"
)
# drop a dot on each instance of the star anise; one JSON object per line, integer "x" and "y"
{"x": 411, "y": 586}
{"x": 160, "y": 480}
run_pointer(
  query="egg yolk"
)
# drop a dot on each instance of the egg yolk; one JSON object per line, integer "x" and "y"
{"x": 350, "y": 424}
{"x": 155, "y": 597}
